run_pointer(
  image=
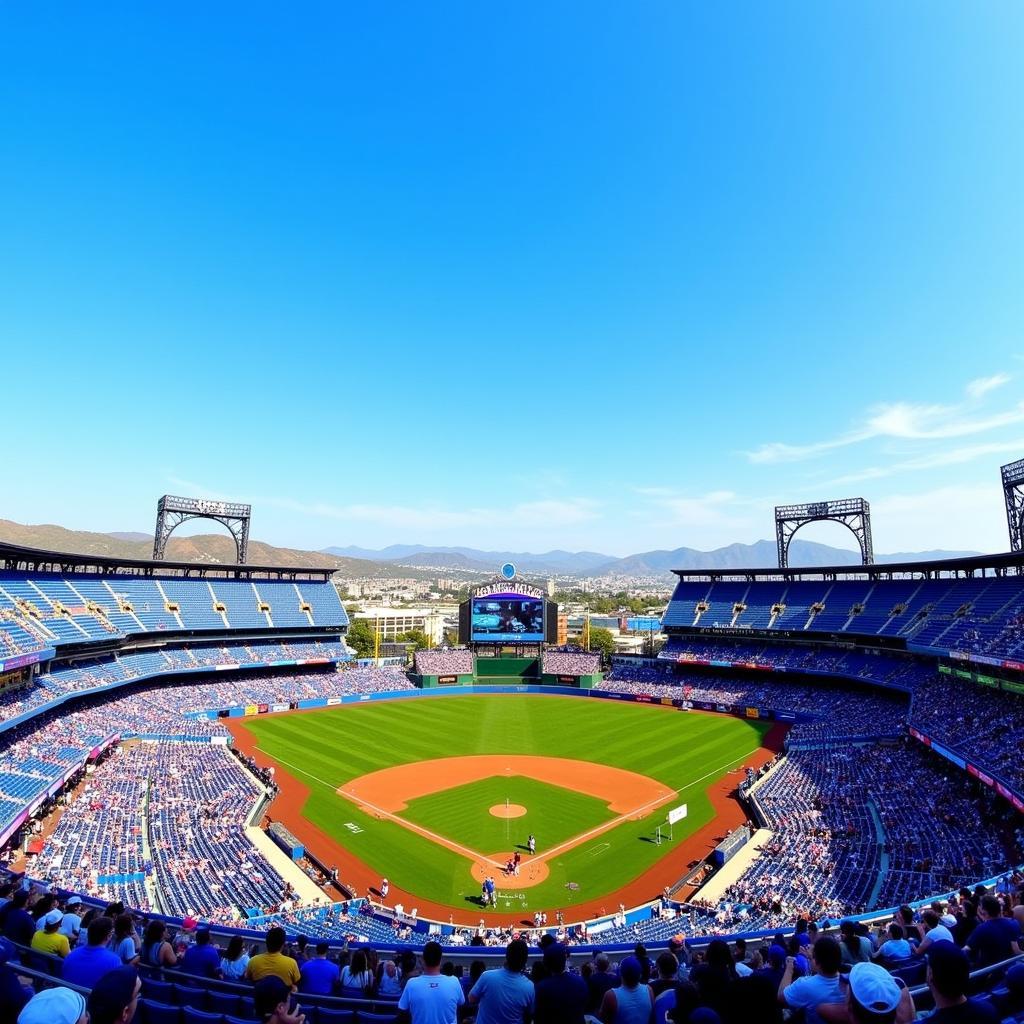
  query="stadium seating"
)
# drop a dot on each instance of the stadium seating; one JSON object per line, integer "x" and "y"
{"x": 39, "y": 610}
{"x": 970, "y": 614}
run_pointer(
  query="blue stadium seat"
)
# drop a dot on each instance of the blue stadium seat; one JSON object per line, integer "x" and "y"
{"x": 247, "y": 1008}
{"x": 222, "y": 1002}
{"x": 190, "y": 995}
{"x": 159, "y": 1013}
{"x": 158, "y": 991}
{"x": 326, "y": 1016}
{"x": 193, "y": 1016}
{"x": 376, "y": 1018}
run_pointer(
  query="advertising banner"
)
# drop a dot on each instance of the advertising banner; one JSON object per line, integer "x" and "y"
{"x": 250, "y": 709}
{"x": 753, "y": 713}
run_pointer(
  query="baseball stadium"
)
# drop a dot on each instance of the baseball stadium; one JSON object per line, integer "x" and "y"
{"x": 196, "y": 743}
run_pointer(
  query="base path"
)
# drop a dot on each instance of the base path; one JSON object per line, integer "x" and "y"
{"x": 361, "y": 878}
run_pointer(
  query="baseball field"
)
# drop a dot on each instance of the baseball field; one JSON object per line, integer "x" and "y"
{"x": 436, "y": 794}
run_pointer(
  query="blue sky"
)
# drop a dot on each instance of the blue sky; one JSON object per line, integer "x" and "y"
{"x": 613, "y": 277}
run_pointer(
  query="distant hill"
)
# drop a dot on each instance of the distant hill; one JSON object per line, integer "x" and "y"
{"x": 760, "y": 555}
{"x": 210, "y": 548}
{"x": 416, "y": 560}
{"x": 569, "y": 562}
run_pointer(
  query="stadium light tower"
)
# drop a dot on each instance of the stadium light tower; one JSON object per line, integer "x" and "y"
{"x": 172, "y": 511}
{"x": 853, "y": 513}
{"x": 1013, "y": 491}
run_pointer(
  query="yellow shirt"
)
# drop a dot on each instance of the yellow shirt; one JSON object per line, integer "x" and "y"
{"x": 264, "y": 964}
{"x": 54, "y": 943}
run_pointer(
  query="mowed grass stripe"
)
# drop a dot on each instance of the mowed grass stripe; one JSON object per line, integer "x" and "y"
{"x": 340, "y": 744}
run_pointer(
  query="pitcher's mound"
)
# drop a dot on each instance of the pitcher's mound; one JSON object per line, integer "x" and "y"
{"x": 531, "y": 872}
{"x": 508, "y": 810}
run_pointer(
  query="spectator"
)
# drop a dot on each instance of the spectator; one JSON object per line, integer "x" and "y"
{"x": 505, "y": 995}
{"x": 85, "y": 965}
{"x": 810, "y": 992}
{"x": 13, "y": 995}
{"x": 599, "y": 982}
{"x": 235, "y": 959}
{"x": 996, "y": 938}
{"x": 716, "y": 977}
{"x": 356, "y": 977}
{"x": 71, "y": 923}
{"x": 561, "y": 997}
{"x": 272, "y": 998}
{"x": 854, "y": 948}
{"x": 873, "y": 996}
{"x": 389, "y": 981}
{"x": 274, "y": 963}
{"x": 48, "y": 939}
{"x": 318, "y": 976}
{"x": 895, "y": 947}
{"x": 124, "y": 939}
{"x": 201, "y": 958}
{"x": 432, "y": 998}
{"x": 934, "y": 931}
{"x": 115, "y": 997}
{"x": 54, "y": 1006}
{"x": 948, "y": 977}
{"x": 18, "y": 924}
{"x": 631, "y": 1002}
{"x": 156, "y": 950}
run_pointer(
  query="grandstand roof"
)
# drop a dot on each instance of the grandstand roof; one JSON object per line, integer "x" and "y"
{"x": 1007, "y": 563}
{"x": 23, "y": 559}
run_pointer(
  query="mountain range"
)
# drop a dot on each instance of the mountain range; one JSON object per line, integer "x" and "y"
{"x": 418, "y": 559}
{"x": 760, "y": 555}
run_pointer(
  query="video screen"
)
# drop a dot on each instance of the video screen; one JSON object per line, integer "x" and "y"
{"x": 503, "y": 619}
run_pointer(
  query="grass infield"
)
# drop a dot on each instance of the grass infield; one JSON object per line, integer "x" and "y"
{"x": 687, "y": 752}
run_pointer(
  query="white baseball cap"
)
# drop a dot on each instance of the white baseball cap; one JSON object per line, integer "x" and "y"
{"x": 874, "y": 988}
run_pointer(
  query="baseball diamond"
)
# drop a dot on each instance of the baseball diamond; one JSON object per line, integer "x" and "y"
{"x": 588, "y": 774}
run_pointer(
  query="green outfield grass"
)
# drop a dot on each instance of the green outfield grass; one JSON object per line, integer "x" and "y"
{"x": 326, "y": 749}
{"x": 553, "y": 814}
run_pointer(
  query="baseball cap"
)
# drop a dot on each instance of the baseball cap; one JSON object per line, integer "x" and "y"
{"x": 110, "y": 995}
{"x": 631, "y": 970}
{"x": 268, "y": 993}
{"x": 54, "y": 917}
{"x": 53, "y": 1006}
{"x": 948, "y": 920}
{"x": 189, "y": 923}
{"x": 777, "y": 953}
{"x": 74, "y": 901}
{"x": 874, "y": 988}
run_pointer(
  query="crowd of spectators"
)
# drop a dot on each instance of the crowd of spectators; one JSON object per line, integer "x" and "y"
{"x": 849, "y": 834}
{"x": 570, "y": 663}
{"x": 100, "y": 673}
{"x": 161, "y": 826}
{"x": 985, "y": 725}
{"x": 446, "y": 661}
{"x": 834, "y": 711}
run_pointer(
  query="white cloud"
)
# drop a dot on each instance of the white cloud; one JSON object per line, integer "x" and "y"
{"x": 945, "y": 457}
{"x": 983, "y": 385}
{"x": 898, "y": 420}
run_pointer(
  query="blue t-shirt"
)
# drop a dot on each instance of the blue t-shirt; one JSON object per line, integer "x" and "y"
{"x": 990, "y": 941}
{"x": 503, "y": 995}
{"x": 201, "y": 960}
{"x": 318, "y": 977}
{"x": 895, "y": 949}
{"x": 85, "y": 965}
{"x": 809, "y": 992}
